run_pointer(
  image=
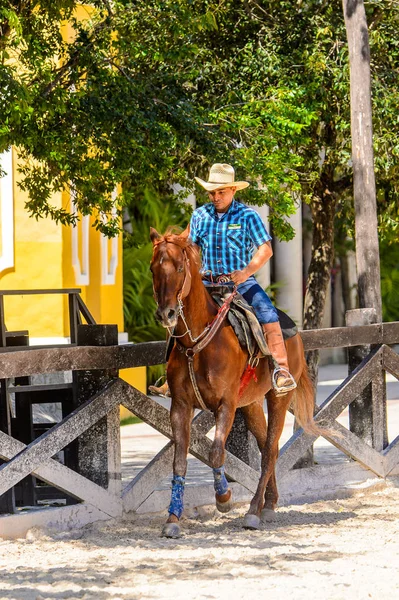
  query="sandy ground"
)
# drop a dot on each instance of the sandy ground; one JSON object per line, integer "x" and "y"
{"x": 346, "y": 549}
{"x": 329, "y": 550}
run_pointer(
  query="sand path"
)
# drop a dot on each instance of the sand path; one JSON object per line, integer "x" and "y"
{"x": 342, "y": 549}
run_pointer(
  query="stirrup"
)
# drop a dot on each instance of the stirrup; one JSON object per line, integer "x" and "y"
{"x": 280, "y": 391}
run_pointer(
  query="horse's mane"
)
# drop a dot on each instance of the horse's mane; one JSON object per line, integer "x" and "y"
{"x": 171, "y": 237}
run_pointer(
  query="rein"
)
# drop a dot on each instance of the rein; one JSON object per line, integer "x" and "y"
{"x": 211, "y": 331}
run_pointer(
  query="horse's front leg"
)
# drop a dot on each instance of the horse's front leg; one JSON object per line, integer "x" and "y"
{"x": 180, "y": 417}
{"x": 224, "y": 422}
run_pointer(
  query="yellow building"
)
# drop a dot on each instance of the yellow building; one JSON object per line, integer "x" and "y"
{"x": 39, "y": 254}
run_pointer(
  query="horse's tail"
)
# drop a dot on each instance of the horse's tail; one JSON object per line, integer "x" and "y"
{"x": 304, "y": 405}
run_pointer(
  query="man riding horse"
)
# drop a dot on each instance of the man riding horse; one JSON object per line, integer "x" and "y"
{"x": 234, "y": 245}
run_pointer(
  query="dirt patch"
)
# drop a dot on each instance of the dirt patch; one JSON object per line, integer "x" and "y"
{"x": 326, "y": 550}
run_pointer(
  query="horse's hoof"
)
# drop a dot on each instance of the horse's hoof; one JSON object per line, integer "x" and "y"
{"x": 224, "y": 507}
{"x": 224, "y": 503}
{"x": 251, "y": 521}
{"x": 268, "y": 515}
{"x": 171, "y": 530}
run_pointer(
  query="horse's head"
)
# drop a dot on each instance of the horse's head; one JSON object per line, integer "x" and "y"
{"x": 171, "y": 275}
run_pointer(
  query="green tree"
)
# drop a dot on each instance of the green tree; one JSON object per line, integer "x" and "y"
{"x": 147, "y": 94}
{"x": 389, "y": 254}
{"x": 142, "y": 94}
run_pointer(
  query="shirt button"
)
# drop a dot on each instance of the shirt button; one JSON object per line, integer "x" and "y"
{"x": 219, "y": 261}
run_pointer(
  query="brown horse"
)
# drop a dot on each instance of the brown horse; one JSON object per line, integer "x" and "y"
{"x": 186, "y": 309}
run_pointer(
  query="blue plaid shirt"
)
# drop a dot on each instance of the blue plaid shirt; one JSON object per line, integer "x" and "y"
{"x": 228, "y": 243}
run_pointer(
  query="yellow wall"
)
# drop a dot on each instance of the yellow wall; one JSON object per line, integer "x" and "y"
{"x": 43, "y": 260}
{"x": 37, "y": 265}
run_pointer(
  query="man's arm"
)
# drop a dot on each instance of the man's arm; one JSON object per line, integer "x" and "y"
{"x": 260, "y": 258}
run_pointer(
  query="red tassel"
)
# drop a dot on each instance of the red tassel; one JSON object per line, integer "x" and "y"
{"x": 246, "y": 378}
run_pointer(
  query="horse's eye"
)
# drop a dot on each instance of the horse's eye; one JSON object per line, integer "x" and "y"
{"x": 180, "y": 269}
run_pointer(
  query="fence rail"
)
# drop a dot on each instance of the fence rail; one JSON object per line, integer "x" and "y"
{"x": 17, "y": 360}
{"x": 97, "y": 502}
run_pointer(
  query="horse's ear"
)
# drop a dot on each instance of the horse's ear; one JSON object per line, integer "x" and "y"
{"x": 154, "y": 235}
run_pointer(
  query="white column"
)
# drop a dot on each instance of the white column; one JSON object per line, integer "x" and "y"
{"x": 352, "y": 278}
{"x": 327, "y": 308}
{"x": 306, "y": 239}
{"x": 263, "y": 275}
{"x": 288, "y": 271}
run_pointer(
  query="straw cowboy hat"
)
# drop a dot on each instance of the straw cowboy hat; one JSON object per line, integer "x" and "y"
{"x": 221, "y": 176}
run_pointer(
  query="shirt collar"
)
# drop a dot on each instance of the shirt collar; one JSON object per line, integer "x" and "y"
{"x": 212, "y": 210}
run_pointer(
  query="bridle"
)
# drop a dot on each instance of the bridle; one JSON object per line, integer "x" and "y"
{"x": 185, "y": 290}
{"x": 183, "y": 293}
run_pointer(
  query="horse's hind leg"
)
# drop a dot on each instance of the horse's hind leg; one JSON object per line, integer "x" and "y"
{"x": 271, "y": 493}
{"x": 180, "y": 417}
{"x": 224, "y": 422}
{"x": 277, "y": 408}
{"x": 255, "y": 421}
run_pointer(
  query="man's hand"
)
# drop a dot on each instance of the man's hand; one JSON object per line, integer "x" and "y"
{"x": 239, "y": 276}
{"x": 260, "y": 258}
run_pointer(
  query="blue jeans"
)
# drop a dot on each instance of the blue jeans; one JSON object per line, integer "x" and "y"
{"x": 258, "y": 299}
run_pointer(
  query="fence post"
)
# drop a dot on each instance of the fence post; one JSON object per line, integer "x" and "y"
{"x": 99, "y": 447}
{"x": 242, "y": 443}
{"x": 367, "y": 414}
{"x": 7, "y": 500}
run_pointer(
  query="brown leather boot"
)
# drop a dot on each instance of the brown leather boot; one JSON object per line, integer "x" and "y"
{"x": 283, "y": 381}
{"x": 163, "y": 390}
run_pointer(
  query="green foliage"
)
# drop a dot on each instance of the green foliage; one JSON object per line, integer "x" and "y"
{"x": 132, "y": 420}
{"x": 389, "y": 254}
{"x": 139, "y": 304}
{"x": 145, "y": 94}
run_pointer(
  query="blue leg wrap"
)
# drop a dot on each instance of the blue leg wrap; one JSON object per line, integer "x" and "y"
{"x": 220, "y": 482}
{"x": 176, "y": 502}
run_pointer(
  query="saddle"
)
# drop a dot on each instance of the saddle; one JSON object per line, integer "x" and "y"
{"x": 244, "y": 322}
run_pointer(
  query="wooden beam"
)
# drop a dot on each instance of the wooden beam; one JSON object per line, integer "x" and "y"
{"x": 364, "y": 192}
{"x": 59, "y": 436}
{"x": 379, "y": 423}
{"x": 347, "y": 391}
{"x": 39, "y": 292}
{"x": 56, "y": 474}
{"x": 355, "y": 448}
{"x": 391, "y": 454}
{"x": 342, "y": 337}
{"x": 390, "y": 362}
{"x": 85, "y": 311}
{"x": 145, "y": 482}
{"x": 331, "y": 408}
{"x": 18, "y": 361}
{"x": 62, "y": 519}
{"x": 367, "y": 414}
